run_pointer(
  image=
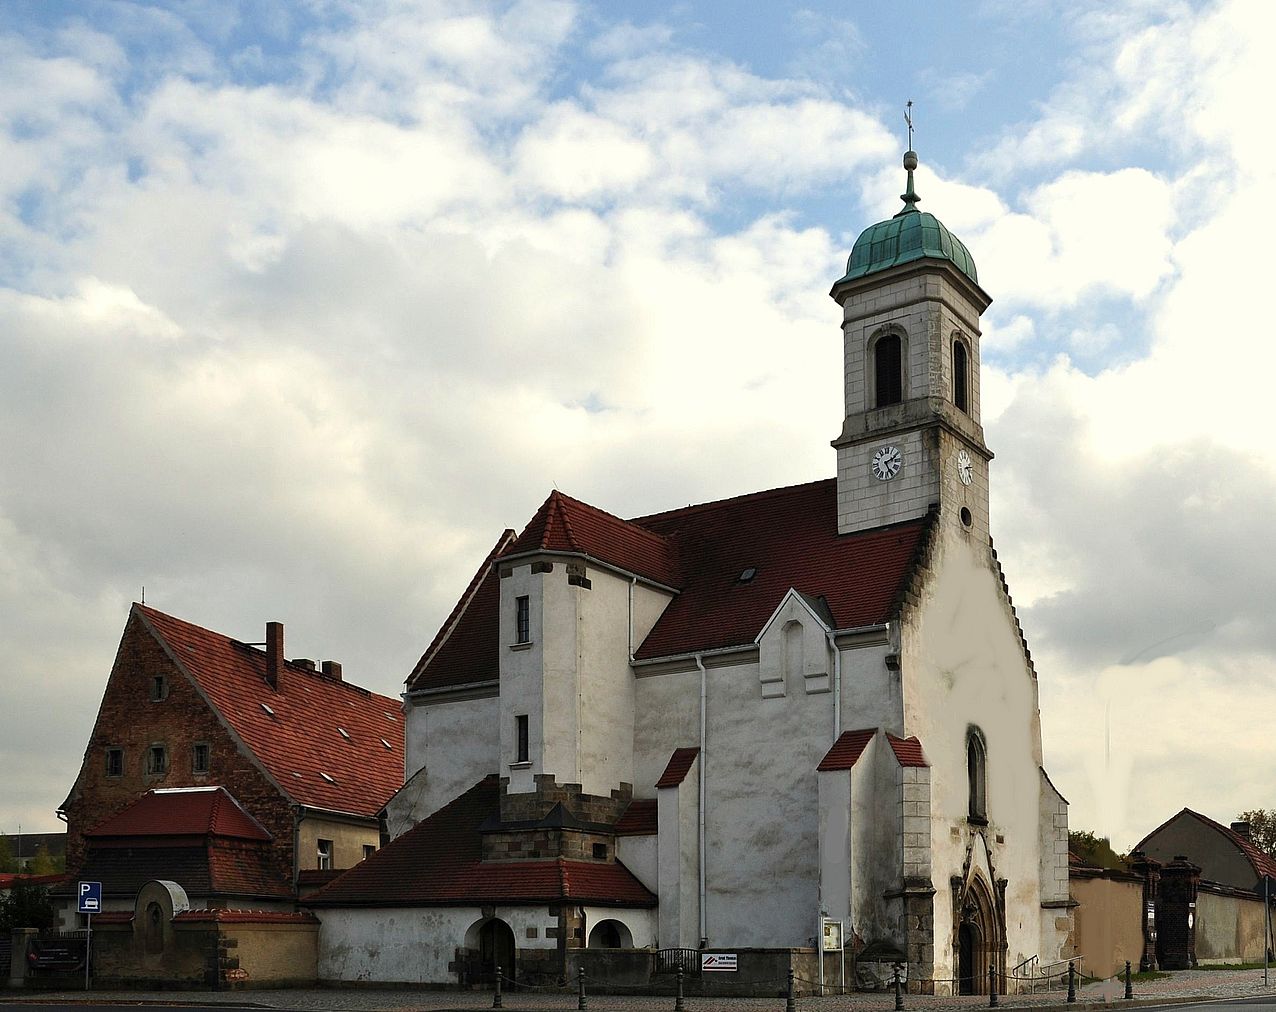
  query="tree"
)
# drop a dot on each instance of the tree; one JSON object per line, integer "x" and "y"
{"x": 8, "y": 862}
{"x": 27, "y": 906}
{"x": 1262, "y": 828}
{"x": 42, "y": 863}
{"x": 1094, "y": 850}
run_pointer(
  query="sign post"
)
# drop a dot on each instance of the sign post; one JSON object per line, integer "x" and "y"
{"x": 88, "y": 902}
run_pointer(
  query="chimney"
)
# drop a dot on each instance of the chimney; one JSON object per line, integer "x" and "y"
{"x": 274, "y": 652}
{"x": 304, "y": 662}
{"x": 1241, "y": 829}
{"x": 332, "y": 669}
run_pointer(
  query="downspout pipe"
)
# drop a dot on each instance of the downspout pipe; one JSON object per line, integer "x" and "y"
{"x": 632, "y": 580}
{"x": 704, "y": 931}
{"x": 837, "y": 684}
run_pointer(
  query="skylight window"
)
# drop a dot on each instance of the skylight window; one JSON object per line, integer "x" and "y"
{"x": 344, "y": 733}
{"x": 268, "y": 709}
{"x": 387, "y": 744}
{"x": 747, "y": 575}
{"x": 326, "y": 777}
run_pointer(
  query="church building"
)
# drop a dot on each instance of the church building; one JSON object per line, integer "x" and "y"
{"x": 727, "y": 725}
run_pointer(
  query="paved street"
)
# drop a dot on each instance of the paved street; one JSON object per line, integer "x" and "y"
{"x": 1181, "y": 986}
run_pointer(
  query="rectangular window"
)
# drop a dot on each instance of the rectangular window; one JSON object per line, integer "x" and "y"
{"x": 325, "y": 855}
{"x": 368, "y": 850}
{"x": 520, "y": 738}
{"x": 159, "y": 688}
{"x": 156, "y": 760}
{"x": 115, "y": 762}
{"x": 522, "y": 620}
{"x": 199, "y": 758}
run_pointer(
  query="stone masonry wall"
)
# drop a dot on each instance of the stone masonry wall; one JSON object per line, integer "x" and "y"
{"x": 536, "y": 804}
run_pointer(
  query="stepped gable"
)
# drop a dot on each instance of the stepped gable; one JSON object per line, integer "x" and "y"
{"x": 466, "y": 648}
{"x": 182, "y": 811}
{"x": 567, "y": 526}
{"x": 788, "y": 537}
{"x": 298, "y": 740}
{"x": 439, "y": 863}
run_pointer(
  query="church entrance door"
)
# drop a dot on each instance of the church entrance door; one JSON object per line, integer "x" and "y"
{"x": 966, "y": 982}
{"x": 496, "y": 948}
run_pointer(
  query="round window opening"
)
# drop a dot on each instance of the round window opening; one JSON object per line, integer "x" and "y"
{"x": 965, "y": 517}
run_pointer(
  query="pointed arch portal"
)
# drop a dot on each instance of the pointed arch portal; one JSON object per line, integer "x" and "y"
{"x": 979, "y": 937}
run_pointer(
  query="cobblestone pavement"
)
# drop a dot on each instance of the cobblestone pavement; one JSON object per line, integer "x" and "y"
{"x": 1185, "y": 985}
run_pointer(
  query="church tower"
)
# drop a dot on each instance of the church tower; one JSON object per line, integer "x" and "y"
{"x": 912, "y": 437}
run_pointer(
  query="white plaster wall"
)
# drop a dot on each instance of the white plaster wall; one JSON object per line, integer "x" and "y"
{"x": 666, "y": 717}
{"x": 678, "y": 862}
{"x": 560, "y": 686}
{"x": 451, "y": 746}
{"x": 521, "y": 675}
{"x": 963, "y": 664}
{"x": 649, "y": 605}
{"x": 876, "y": 846}
{"x": 412, "y": 945}
{"x": 641, "y": 923}
{"x": 834, "y": 788}
{"x": 641, "y": 855}
{"x": 606, "y": 683}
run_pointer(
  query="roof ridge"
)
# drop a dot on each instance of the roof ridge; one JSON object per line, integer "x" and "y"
{"x": 557, "y": 499}
{"x": 692, "y": 508}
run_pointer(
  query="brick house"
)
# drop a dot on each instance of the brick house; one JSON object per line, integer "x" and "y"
{"x": 309, "y": 758}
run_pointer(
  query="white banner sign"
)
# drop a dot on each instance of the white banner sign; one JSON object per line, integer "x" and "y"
{"x": 717, "y": 962}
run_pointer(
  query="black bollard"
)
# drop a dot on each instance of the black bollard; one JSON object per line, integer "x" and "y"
{"x": 678, "y": 1005}
{"x": 789, "y": 1004}
{"x": 580, "y": 990}
{"x": 496, "y": 996}
{"x": 1129, "y": 983}
{"x": 992, "y": 986}
{"x": 899, "y": 993}
{"x": 1072, "y": 982}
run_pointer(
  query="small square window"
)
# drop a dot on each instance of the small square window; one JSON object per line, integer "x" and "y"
{"x": 368, "y": 850}
{"x": 600, "y": 851}
{"x": 199, "y": 758}
{"x": 156, "y": 760}
{"x": 159, "y": 688}
{"x": 115, "y": 762}
{"x": 521, "y": 751}
{"x": 522, "y": 620}
{"x": 325, "y": 855}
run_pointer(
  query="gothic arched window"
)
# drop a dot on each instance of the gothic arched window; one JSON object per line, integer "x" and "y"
{"x": 961, "y": 376}
{"x": 977, "y": 772}
{"x": 888, "y": 370}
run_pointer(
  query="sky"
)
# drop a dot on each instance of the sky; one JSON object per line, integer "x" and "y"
{"x": 302, "y": 304}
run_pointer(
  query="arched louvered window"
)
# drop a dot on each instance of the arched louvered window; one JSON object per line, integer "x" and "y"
{"x": 961, "y": 376}
{"x": 888, "y": 366}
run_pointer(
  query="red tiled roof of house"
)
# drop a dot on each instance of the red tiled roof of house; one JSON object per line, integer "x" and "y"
{"x": 569, "y": 526}
{"x": 908, "y": 751}
{"x": 194, "y": 811}
{"x": 641, "y": 818}
{"x": 245, "y": 917}
{"x": 846, "y": 750}
{"x": 299, "y": 740}
{"x": 465, "y": 649}
{"x": 439, "y": 863}
{"x": 9, "y": 879}
{"x": 676, "y": 770}
{"x": 1261, "y": 862}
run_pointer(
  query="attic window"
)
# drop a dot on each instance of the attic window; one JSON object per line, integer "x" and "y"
{"x": 387, "y": 744}
{"x": 389, "y": 716}
{"x": 344, "y": 733}
{"x": 746, "y": 575}
{"x": 268, "y": 709}
{"x": 326, "y": 777}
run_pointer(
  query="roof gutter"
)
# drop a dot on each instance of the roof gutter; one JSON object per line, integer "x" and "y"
{"x": 704, "y": 678}
{"x": 740, "y": 648}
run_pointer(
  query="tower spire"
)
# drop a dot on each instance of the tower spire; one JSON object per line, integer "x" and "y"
{"x": 909, "y": 196}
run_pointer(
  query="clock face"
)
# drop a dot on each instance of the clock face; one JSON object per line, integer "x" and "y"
{"x": 965, "y": 467}
{"x": 886, "y": 462}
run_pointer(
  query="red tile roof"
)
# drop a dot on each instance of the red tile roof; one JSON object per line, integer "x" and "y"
{"x": 245, "y": 917}
{"x": 569, "y": 526}
{"x": 846, "y": 750}
{"x": 676, "y": 770}
{"x": 641, "y": 818}
{"x": 466, "y": 648}
{"x": 300, "y": 739}
{"x": 789, "y": 537}
{"x": 439, "y": 863}
{"x": 908, "y": 751}
{"x": 9, "y": 879}
{"x": 194, "y": 811}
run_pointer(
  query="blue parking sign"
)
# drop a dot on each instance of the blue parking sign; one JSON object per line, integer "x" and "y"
{"x": 89, "y": 898}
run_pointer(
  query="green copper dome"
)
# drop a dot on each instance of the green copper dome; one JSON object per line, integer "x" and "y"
{"x": 910, "y": 235}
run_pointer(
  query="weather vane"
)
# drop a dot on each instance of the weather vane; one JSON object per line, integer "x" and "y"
{"x": 908, "y": 118}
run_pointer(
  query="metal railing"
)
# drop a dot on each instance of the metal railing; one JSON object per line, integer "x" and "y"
{"x": 673, "y": 960}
